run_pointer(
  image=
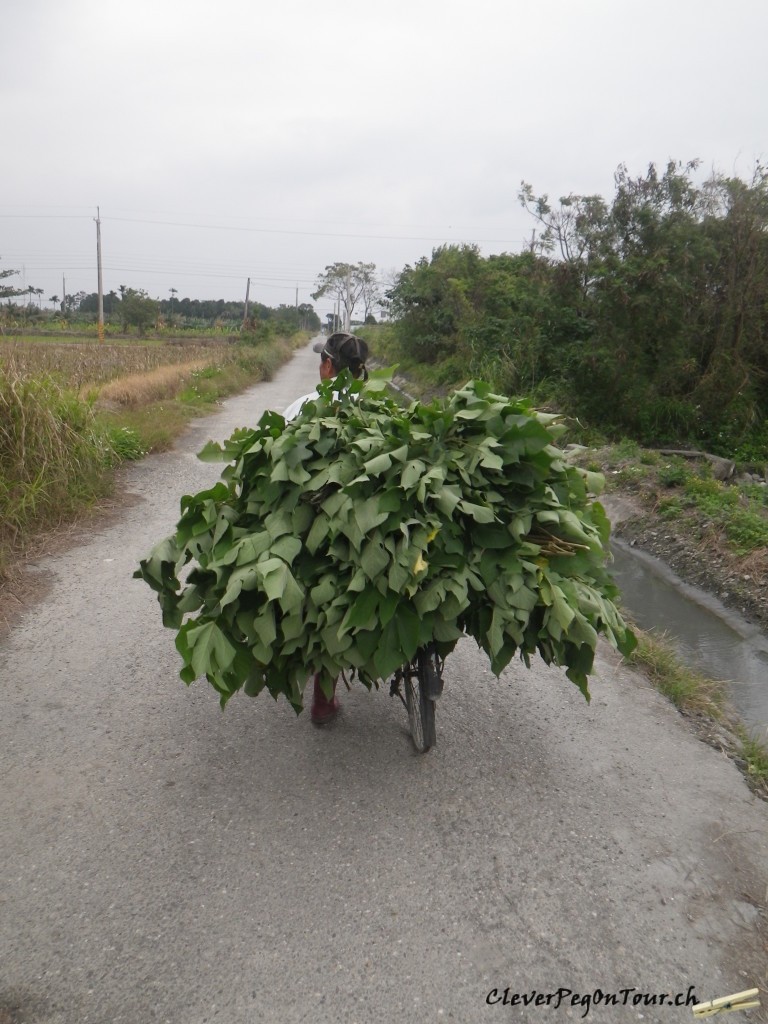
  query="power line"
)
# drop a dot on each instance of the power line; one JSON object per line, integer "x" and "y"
{"x": 315, "y": 234}
{"x": 440, "y": 231}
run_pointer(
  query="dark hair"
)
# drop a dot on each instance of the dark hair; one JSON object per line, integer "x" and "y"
{"x": 346, "y": 352}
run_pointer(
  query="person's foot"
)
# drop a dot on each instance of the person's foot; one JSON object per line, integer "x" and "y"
{"x": 323, "y": 710}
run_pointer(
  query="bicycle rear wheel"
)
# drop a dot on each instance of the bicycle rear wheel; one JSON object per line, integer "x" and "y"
{"x": 420, "y": 682}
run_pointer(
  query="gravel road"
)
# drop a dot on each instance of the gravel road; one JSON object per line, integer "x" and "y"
{"x": 164, "y": 861}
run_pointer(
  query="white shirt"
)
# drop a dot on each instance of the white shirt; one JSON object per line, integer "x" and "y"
{"x": 294, "y": 408}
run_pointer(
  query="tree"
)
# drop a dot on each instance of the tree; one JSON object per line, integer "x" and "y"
{"x": 54, "y": 300}
{"x": 74, "y": 302}
{"x": 434, "y": 302}
{"x": 309, "y": 320}
{"x": 370, "y": 296}
{"x": 347, "y": 283}
{"x": 138, "y": 310}
{"x": 6, "y": 291}
{"x": 669, "y": 307}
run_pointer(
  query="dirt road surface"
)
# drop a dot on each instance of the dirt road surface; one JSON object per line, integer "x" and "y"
{"x": 164, "y": 861}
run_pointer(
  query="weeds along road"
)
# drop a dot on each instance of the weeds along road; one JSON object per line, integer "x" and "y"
{"x": 162, "y": 860}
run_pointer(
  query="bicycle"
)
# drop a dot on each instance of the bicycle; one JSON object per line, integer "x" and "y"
{"x": 419, "y": 685}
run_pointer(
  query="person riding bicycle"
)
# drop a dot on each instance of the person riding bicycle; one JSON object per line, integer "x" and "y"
{"x": 340, "y": 351}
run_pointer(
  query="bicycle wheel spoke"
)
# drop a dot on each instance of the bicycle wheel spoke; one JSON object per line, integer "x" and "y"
{"x": 420, "y": 681}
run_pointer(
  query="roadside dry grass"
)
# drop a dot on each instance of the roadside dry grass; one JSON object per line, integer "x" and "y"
{"x": 689, "y": 690}
{"x": 78, "y": 365}
{"x": 69, "y": 414}
{"x": 139, "y": 389}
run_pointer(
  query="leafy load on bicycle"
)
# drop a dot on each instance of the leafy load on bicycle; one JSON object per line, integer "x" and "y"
{"x": 361, "y": 530}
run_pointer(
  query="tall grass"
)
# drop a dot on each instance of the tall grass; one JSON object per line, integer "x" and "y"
{"x": 84, "y": 365}
{"x": 52, "y": 457}
{"x": 140, "y": 388}
{"x": 69, "y": 413}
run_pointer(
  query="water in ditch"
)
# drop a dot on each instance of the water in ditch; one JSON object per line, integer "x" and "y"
{"x": 708, "y": 636}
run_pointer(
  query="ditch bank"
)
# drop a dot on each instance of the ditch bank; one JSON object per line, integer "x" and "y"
{"x": 740, "y": 583}
{"x": 668, "y": 586}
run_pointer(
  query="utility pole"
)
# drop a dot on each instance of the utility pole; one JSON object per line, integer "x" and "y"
{"x": 101, "y": 286}
{"x": 247, "y": 293}
{"x": 63, "y": 294}
{"x": 347, "y": 299}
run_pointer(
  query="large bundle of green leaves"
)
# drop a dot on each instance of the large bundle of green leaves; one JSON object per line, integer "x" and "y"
{"x": 357, "y": 532}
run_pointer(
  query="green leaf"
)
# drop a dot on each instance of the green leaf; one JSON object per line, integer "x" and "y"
{"x": 412, "y": 473}
{"x": 479, "y": 513}
{"x": 264, "y": 626}
{"x": 374, "y": 558}
{"x": 210, "y": 650}
{"x": 286, "y": 547}
{"x": 368, "y": 514}
{"x": 325, "y": 591}
{"x": 378, "y": 465}
{"x": 408, "y": 631}
{"x": 362, "y": 611}
{"x": 212, "y": 452}
{"x": 278, "y": 523}
{"x": 250, "y": 548}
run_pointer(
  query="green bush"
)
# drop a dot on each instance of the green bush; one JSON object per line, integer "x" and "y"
{"x": 126, "y": 444}
{"x": 746, "y": 530}
{"x": 670, "y": 508}
{"x": 674, "y": 474}
{"x": 258, "y": 332}
{"x": 627, "y": 449}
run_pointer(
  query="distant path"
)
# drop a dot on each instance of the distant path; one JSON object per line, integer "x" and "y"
{"x": 163, "y": 861}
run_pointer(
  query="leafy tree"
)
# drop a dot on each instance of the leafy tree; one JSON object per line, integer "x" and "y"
{"x": 348, "y": 283}
{"x": 309, "y": 320}
{"x": 295, "y": 318}
{"x": 672, "y": 299}
{"x": 433, "y": 302}
{"x": 645, "y": 314}
{"x": 90, "y": 303}
{"x": 138, "y": 310}
{"x": 6, "y": 290}
{"x": 72, "y": 302}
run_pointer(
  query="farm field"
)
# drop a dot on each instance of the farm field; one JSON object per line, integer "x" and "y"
{"x": 79, "y": 363}
{"x": 71, "y": 412}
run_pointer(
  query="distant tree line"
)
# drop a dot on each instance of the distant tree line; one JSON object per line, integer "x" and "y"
{"x": 646, "y": 315}
{"x": 135, "y": 308}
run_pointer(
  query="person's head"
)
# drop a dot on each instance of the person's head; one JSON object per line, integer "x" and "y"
{"x": 342, "y": 351}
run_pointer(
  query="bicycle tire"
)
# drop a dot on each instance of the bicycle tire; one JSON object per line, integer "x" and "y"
{"x": 418, "y": 685}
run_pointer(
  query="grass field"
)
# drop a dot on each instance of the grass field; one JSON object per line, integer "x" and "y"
{"x": 71, "y": 412}
{"x": 78, "y": 364}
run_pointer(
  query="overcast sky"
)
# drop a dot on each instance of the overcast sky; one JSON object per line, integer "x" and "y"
{"x": 243, "y": 138}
